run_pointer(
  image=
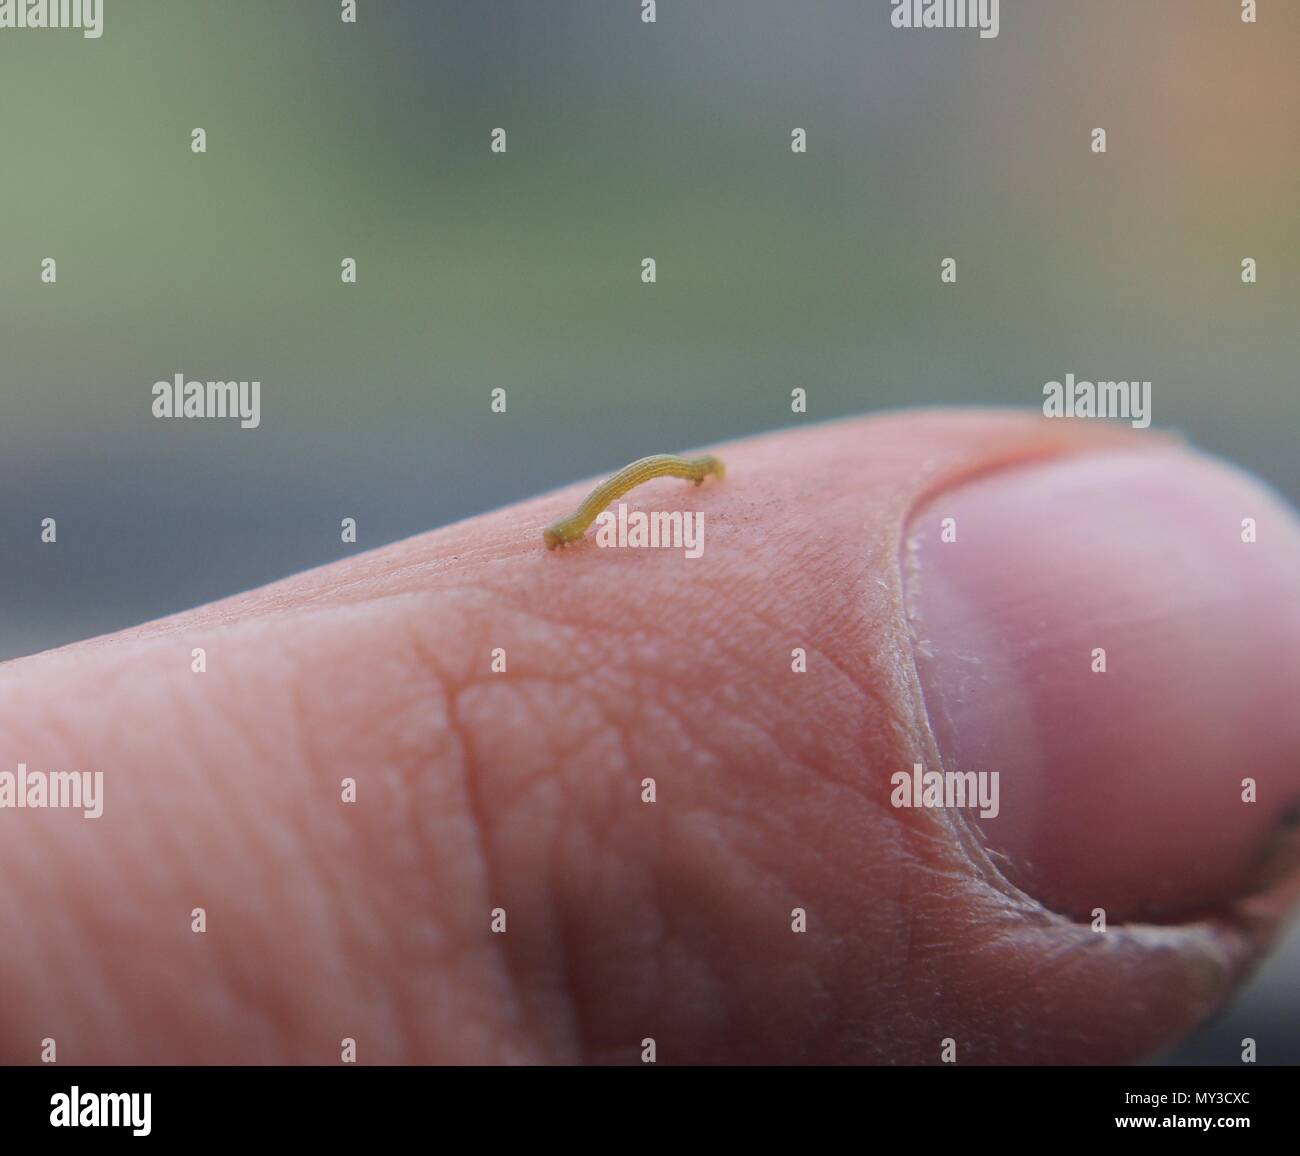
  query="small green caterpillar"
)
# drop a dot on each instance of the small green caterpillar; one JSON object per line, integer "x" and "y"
{"x": 573, "y": 527}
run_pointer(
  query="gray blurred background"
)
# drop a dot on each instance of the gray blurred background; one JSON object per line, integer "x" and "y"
{"x": 625, "y": 140}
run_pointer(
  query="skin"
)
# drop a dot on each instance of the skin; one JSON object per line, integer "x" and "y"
{"x": 480, "y": 790}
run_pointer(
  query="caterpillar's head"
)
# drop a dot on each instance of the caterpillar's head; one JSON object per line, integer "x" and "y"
{"x": 552, "y": 537}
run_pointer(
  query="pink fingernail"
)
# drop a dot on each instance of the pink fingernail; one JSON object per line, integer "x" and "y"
{"x": 1117, "y": 635}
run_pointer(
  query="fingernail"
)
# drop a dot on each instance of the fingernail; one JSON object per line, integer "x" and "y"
{"x": 1117, "y": 636}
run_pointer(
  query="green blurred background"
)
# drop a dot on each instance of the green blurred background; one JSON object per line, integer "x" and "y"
{"x": 522, "y": 270}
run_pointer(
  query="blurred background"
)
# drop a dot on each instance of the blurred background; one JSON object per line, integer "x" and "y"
{"x": 625, "y": 140}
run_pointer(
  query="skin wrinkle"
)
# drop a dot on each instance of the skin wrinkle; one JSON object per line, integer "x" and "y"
{"x": 594, "y": 697}
{"x": 460, "y": 740}
{"x": 478, "y": 955}
{"x": 599, "y": 691}
{"x": 480, "y": 824}
{"x": 517, "y": 982}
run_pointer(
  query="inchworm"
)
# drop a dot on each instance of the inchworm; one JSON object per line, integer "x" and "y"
{"x": 573, "y": 527}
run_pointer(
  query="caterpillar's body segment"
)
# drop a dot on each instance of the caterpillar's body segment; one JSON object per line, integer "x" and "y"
{"x": 573, "y": 527}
